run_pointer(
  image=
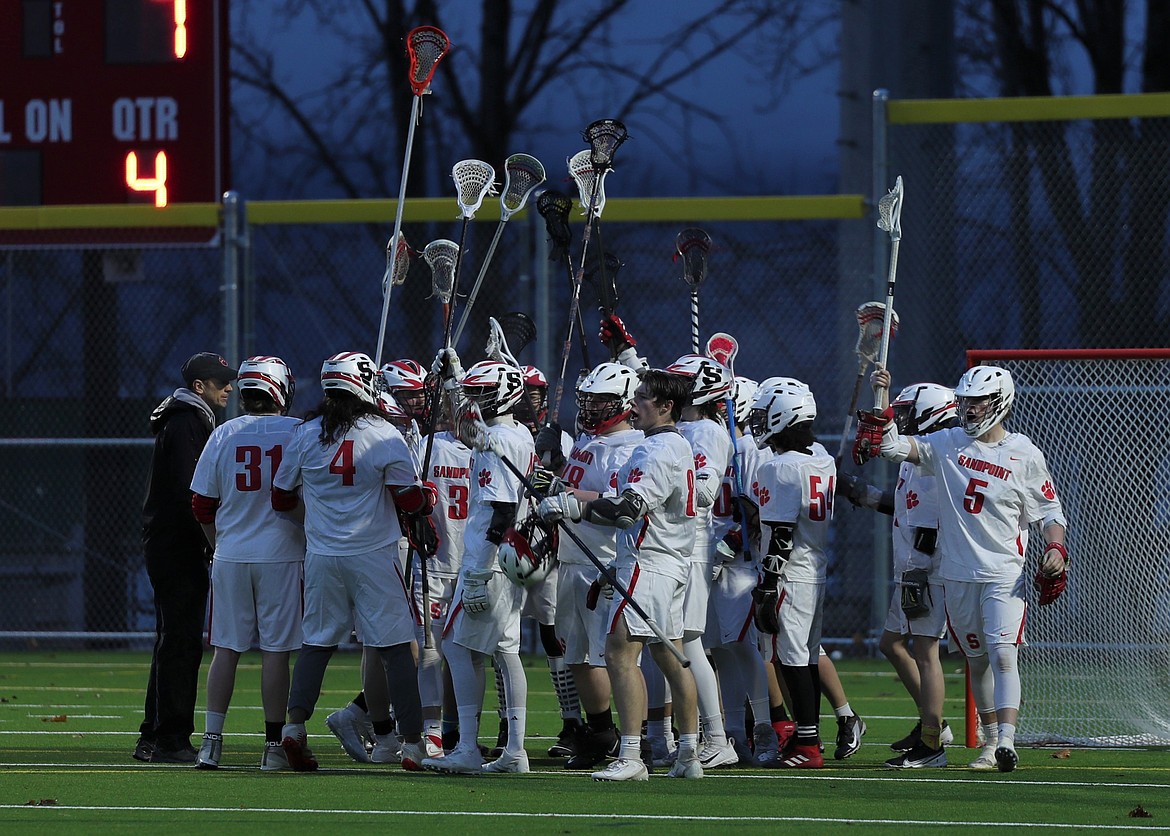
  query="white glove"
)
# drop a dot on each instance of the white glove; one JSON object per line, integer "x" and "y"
{"x": 475, "y": 591}
{"x": 447, "y": 365}
{"x": 561, "y": 506}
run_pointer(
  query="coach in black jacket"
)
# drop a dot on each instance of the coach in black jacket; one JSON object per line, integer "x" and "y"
{"x": 177, "y": 557}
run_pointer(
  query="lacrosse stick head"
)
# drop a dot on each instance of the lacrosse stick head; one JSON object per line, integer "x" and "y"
{"x": 604, "y": 136}
{"x": 473, "y": 181}
{"x": 602, "y": 274}
{"x": 426, "y": 46}
{"x": 554, "y": 206}
{"x": 723, "y": 348}
{"x": 870, "y": 319}
{"x": 398, "y": 255}
{"x": 522, "y": 174}
{"x": 890, "y": 211}
{"x": 692, "y": 246}
{"x": 441, "y": 256}
{"x": 590, "y": 182}
{"x": 468, "y": 425}
{"x": 512, "y": 329}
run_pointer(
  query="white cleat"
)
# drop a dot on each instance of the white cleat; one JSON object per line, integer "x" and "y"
{"x": 350, "y": 732}
{"x": 433, "y": 744}
{"x": 1006, "y": 758}
{"x": 464, "y": 759}
{"x": 412, "y": 757}
{"x": 387, "y": 750}
{"x": 210, "y": 751}
{"x": 712, "y": 755}
{"x": 986, "y": 759}
{"x": 623, "y": 769}
{"x": 508, "y": 762}
{"x": 274, "y": 759}
{"x": 686, "y": 768}
{"x": 946, "y": 737}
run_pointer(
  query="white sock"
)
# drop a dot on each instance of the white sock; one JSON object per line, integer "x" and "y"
{"x": 1007, "y": 735}
{"x": 688, "y": 746}
{"x": 215, "y": 721}
{"x": 631, "y": 747}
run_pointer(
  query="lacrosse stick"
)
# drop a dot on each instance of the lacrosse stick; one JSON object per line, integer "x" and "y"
{"x": 692, "y": 245}
{"x": 469, "y": 426}
{"x": 518, "y": 326}
{"x": 554, "y": 207}
{"x": 397, "y": 264}
{"x": 522, "y": 174}
{"x": 889, "y": 220}
{"x": 603, "y": 276}
{"x": 441, "y": 256}
{"x": 871, "y": 318}
{"x": 426, "y": 46}
{"x": 723, "y": 348}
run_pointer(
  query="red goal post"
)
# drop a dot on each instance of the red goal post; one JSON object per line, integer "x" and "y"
{"x": 1096, "y": 666}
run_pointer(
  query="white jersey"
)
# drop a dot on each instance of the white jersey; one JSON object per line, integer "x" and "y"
{"x": 797, "y": 489}
{"x": 723, "y": 511}
{"x": 711, "y": 446}
{"x": 593, "y": 465}
{"x": 915, "y": 506}
{"x": 492, "y": 481}
{"x": 451, "y": 473}
{"x": 237, "y": 467}
{"x": 348, "y": 510}
{"x": 661, "y": 471}
{"x": 988, "y": 496}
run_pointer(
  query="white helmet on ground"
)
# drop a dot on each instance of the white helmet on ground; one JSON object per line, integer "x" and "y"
{"x": 988, "y": 384}
{"x": 775, "y": 410}
{"x": 528, "y": 552}
{"x": 350, "y": 371}
{"x": 712, "y": 378}
{"x": 922, "y": 408}
{"x": 605, "y": 396}
{"x": 495, "y": 387}
{"x": 743, "y": 395}
{"x": 269, "y": 375}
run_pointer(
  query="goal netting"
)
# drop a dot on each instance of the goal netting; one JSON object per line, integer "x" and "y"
{"x": 1096, "y": 666}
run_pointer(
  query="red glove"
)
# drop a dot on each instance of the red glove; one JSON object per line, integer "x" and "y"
{"x": 432, "y": 492}
{"x": 614, "y": 335}
{"x": 870, "y": 429}
{"x": 734, "y": 539}
{"x": 1050, "y": 587}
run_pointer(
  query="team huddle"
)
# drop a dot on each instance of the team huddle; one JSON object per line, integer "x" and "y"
{"x": 672, "y": 548}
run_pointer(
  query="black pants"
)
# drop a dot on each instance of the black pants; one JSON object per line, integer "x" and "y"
{"x": 180, "y": 581}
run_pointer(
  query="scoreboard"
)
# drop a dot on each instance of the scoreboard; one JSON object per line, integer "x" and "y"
{"x": 113, "y": 102}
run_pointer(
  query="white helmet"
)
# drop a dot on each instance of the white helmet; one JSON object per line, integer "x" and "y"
{"x": 712, "y": 378}
{"x": 921, "y": 408}
{"x": 350, "y": 371}
{"x": 743, "y": 395}
{"x": 979, "y": 382}
{"x": 771, "y": 383}
{"x": 535, "y": 410}
{"x": 495, "y": 387}
{"x": 390, "y": 408}
{"x": 605, "y": 396}
{"x": 269, "y": 375}
{"x": 774, "y": 410}
{"x": 404, "y": 375}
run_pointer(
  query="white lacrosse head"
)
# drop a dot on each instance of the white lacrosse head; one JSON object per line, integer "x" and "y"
{"x": 890, "y": 211}
{"x": 587, "y": 180}
{"x": 870, "y": 317}
{"x": 522, "y": 174}
{"x": 468, "y": 425}
{"x": 397, "y": 262}
{"x": 497, "y": 344}
{"x": 473, "y": 181}
{"x": 441, "y": 256}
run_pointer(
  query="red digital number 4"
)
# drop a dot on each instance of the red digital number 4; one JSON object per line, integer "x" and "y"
{"x": 342, "y": 463}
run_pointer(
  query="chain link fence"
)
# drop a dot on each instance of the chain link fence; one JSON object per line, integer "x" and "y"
{"x": 1047, "y": 233}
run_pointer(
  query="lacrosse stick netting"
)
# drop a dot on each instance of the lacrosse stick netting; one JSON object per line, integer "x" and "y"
{"x": 692, "y": 245}
{"x": 513, "y": 328}
{"x": 590, "y": 183}
{"x": 554, "y": 206}
{"x": 871, "y": 318}
{"x": 890, "y": 221}
{"x": 604, "y": 136}
{"x": 397, "y": 263}
{"x": 473, "y": 182}
{"x": 441, "y": 256}
{"x": 522, "y": 174}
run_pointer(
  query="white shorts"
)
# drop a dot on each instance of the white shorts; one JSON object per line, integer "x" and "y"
{"x": 985, "y": 613}
{"x": 487, "y": 632}
{"x": 800, "y": 611}
{"x": 659, "y": 596}
{"x": 256, "y": 605}
{"x": 695, "y": 602}
{"x": 362, "y": 591}
{"x": 581, "y": 631}
{"x": 441, "y": 594}
{"x": 540, "y": 601}
{"x": 729, "y": 614}
{"x": 932, "y": 625}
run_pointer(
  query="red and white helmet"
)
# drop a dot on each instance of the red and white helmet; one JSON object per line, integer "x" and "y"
{"x": 605, "y": 396}
{"x": 921, "y": 408}
{"x": 776, "y": 409}
{"x": 404, "y": 375}
{"x": 534, "y": 377}
{"x": 979, "y": 383}
{"x": 712, "y": 378}
{"x": 390, "y": 408}
{"x": 269, "y": 375}
{"x": 743, "y": 395}
{"x": 496, "y": 387}
{"x": 536, "y": 390}
{"x": 350, "y": 371}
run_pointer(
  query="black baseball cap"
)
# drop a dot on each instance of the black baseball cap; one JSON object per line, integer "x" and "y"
{"x": 208, "y": 366}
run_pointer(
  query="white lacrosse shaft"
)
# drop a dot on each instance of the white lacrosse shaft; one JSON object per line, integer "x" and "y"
{"x": 890, "y": 220}
{"x": 478, "y": 281}
{"x": 694, "y": 320}
{"x": 414, "y": 115}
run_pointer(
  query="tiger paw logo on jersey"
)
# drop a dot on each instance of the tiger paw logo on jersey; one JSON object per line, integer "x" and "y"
{"x": 635, "y": 476}
{"x": 912, "y": 500}
{"x": 1048, "y": 491}
{"x": 763, "y": 494}
{"x": 485, "y": 478}
{"x": 700, "y": 461}
{"x": 755, "y": 489}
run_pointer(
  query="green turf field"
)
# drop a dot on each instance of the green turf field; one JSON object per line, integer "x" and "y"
{"x": 68, "y": 722}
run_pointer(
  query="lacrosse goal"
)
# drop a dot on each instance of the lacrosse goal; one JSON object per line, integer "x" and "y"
{"x": 1096, "y": 668}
